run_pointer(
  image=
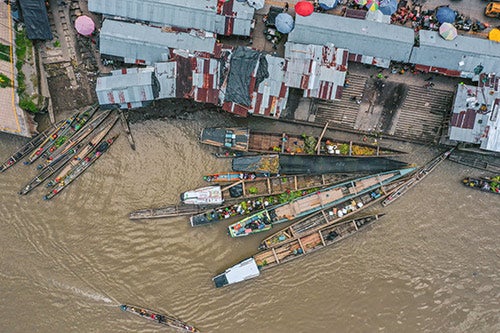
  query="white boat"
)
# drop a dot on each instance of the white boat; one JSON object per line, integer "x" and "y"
{"x": 246, "y": 269}
{"x": 210, "y": 195}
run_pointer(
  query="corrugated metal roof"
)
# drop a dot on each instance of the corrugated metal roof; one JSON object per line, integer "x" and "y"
{"x": 318, "y": 69}
{"x": 195, "y": 14}
{"x": 166, "y": 73}
{"x": 150, "y": 44}
{"x": 463, "y": 53}
{"x": 475, "y": 116}
{"x": 365, "y": 37}
{"x": 126, "y": 86}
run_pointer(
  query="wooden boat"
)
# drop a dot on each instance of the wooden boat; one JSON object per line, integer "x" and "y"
{"x": 416, "y": 178}
{"x": 49, "y": 141}
{"x": 309, "y": 164}
{"x": 229, "y": 154}
{"x": 157, "y": 317}
{"x": 68, "y": 160}
{"x": 259, "y": 194}
{"x": 30, "y": 146}
{"x": 295, "y": 249}
{"x": 246, "y": 140}
{"x": 78, "y": 131}
{"x": 490, "y": 163}
{"x": 308, "y": 204}
{"x": 244, "y": 195}
{"x": 126, "y": 128}
{"x": 209, "y": 195}
{"x": 80, "y": 168}
{"x": 85, "y": 149}
{"x": 490, "y": 185}
{"x": 331, "y": 215}
{"x": 168, "y": 211}
{"x": 231, "y": 177}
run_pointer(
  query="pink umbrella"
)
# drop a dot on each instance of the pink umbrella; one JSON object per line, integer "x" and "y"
{"x": 84, "y": 25}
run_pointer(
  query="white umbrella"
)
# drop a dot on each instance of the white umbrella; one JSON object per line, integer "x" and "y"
{"x": 257, "y": 4}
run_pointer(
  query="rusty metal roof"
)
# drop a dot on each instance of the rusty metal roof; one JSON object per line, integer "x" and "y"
{"x": 475, "y": 116}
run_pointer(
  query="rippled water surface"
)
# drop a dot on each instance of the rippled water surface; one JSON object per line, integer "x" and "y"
{"x": 430, "y": 265}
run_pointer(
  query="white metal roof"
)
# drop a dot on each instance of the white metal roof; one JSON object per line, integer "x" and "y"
{"x": 150, "y": 44}
{"x": 246, "y": 269}
{"x": 392, "y": 42}
{"x": 463, "y": 53}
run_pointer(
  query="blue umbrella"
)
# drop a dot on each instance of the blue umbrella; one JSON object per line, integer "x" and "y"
{"x": 284, "y": 23}
{"x": 445, "y": 14}
{"x": 388, "y": 7}
{"x": 328, "y": 4}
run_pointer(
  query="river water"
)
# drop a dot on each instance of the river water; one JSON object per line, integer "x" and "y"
{"x": 430, "y": 265}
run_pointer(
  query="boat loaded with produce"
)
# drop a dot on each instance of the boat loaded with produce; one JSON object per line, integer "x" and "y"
{"x": 244, "y": 139}
{"x": 299, "y": 247}
{"x": 78, "y": 130}
{"x": 245, "y": 196}
{"x": 308, "y": 204}
{"x": 51, "y": 139}
{"x": 490, "y": 185}
{"x": 79, "y": 168}
{"x": 254, "y": 195}
{"x": 331, "y": 215}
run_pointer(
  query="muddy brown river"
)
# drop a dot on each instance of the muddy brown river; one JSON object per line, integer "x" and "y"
{"x": 430, "y": 265}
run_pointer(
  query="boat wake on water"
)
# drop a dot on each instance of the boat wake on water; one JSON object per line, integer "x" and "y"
{"x": 88, "y": 294}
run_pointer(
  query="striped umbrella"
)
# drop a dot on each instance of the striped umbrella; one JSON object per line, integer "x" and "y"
{"x": 361, "y": 2}
{"x": 448, "y": 31}
{"x": 372, "y": 5}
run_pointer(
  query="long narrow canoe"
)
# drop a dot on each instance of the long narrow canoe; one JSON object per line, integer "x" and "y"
{"x": 106, "y": 127}
{"x": 80, "y": 168}
{"x": 157, "y": 317}
{"x": 244, "y": 139}
{"x": 490, "y": 185}
{"x": 311, "y": 203}
{"x": 78, "y": 131}
{"x": 30, "y": 146}
{"x": 313, "y": 164}
{"x": 49, "y": 141}
{"x": 164, "y": 212}
{"x": 69, "y": 159}
{"x": 490, "y": 163}
{"x": 259, "y": 194}
{"x": 416, "y": 178}
{"x": 231, "y": 177}
{"x": 332, "y": 215}
{"x": 299, "y": 247}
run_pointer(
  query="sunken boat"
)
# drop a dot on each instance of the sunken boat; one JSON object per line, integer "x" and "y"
{"x": 308, "y": 164}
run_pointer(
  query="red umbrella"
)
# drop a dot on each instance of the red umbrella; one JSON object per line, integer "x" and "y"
{"x": 304, "y": 8}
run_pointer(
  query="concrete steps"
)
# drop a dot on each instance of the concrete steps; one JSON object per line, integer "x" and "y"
{"x": 342, "y": 113}
{"x": 422, "y": 114}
